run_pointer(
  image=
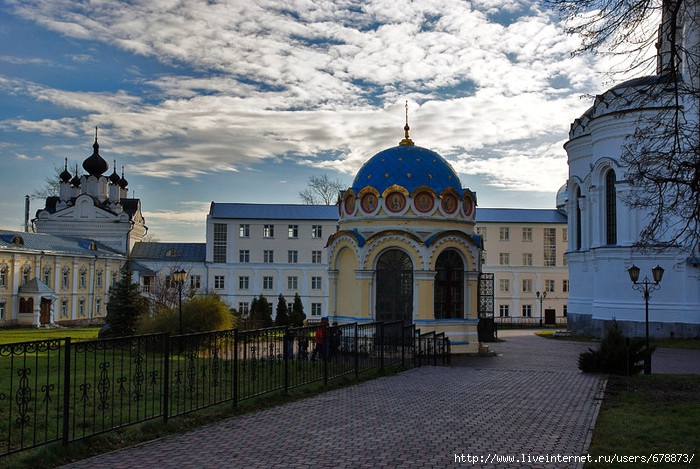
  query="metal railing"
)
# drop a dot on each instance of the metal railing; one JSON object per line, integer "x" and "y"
{"x": 505, "y": 322}
{"x": 59, "y": 390}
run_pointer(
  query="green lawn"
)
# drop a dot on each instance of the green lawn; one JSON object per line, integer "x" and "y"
{"x": 649, "y": 415}
{"x": 9, "y": 336}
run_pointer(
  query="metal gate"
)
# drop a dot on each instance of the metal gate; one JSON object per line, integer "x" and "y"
{"x": 487, "y": 326}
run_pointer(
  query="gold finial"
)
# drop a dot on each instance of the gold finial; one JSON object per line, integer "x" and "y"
{"x": 406, "y": 140}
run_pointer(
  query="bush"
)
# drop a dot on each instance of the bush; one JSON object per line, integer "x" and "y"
{"x": 199, "y": 314}
{"x": 613, "y": 355}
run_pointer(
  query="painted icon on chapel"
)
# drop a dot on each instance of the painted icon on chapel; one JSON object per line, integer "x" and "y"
{"x": 350, "y": 204}
{"x": 395, "y": 202}
{"x": 369, "y": 202}
{"x": 424, "y": 202}
{"x": 449, "y": 204}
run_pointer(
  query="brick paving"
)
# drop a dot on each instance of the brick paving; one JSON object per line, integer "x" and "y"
{"x": 527, "y": 402}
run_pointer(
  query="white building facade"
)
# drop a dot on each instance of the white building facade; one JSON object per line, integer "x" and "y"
{"x": 603, "y": 229}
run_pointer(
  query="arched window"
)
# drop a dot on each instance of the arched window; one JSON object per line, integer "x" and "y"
{"x": 394, "y": 275}
{"x": 610, "y": 208}
{"x": 449, "y": 286}
{"x": 577, "y": 220}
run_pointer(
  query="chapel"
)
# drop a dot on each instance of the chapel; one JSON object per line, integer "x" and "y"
{"x": 405, "y": 249}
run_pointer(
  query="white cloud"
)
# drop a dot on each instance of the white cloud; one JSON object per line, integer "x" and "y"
{"x": 262, "y": 79}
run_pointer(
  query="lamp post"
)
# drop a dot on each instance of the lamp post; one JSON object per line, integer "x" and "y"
{"x": 646, "y": 286}
{"x": 179, "y": 277}
{"x": 541, "y": 297}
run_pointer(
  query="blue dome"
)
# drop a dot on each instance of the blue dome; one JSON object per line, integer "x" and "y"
{"x": 408, "y": 166}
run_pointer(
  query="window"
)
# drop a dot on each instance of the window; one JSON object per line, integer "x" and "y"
{"x": 268, "y": 256}
{"x": 98, "y": 279}
{"x": 115, "y": 277}
{"x": 2, "y": 310}
{"x": 504, "y": 311}
{"x": 316, "y": 257}
{"x": 527, "y": 285}
{"x": 565, "y": 286}
{"x": 577, "y": 219}
{"x": 47, "y": 276}
{"x": 550, "y": 247}
{"x": 565, "y": 235}
{"x": 244, "y": 231}
{"x": 81, "y": 307}
{"x": 243, "y": 308}
{"x": 82, "y": 278}
{"x": 610, "y": 208}
{"x": 243, "y": 283}
{"x": 316, "y": 283}
{"x": 316, "y": 309}
{"x": 220, "y": 241}
{"x": 527, "y": 258}
{"x": 3, "y": 276}
{"x": 268, "y": 231}
{"x": 25, "y": 274}
{"x": 504, "y": 285}
{"x": 64, "y": 308}
{"x": 65, "y": 278}
{"x": 549, "y": 285}
{"x": 147, "y": 281}
{"x": 267, "y": 283}
{"x": 292, "y": 283}
{"x": 527, "y": 311}
{"x": 448, "y": 287}
{"x": 482, "y": 231}
{"x": 527, "y": 234}
{"x": 504, "y": 234}
{"x": 504, "y": 258}
{"x": 219, "y": 282}
{"x": 98, "y": 307}
{"x": 292, "y": 256}
{"x": 317, "y": 231}
{"x": 244, "y": 256}
{"x": 565, "y": 310}
{"x": 195, "y": 282}
{"x": 293, "y": 231}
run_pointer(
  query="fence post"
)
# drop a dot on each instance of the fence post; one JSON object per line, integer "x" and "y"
{"x": 287, "y": 342}
{"x": 66, "y": 391}
{"x": 235, "y": 367}
{"x": 381, "y": 345}
{"x": 166, "y": 383}
{"x": 356, "y": 354}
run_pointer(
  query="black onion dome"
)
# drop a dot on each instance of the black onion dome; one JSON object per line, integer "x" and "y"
{"x": 114, "y": 177}
{"x": 95, "y": 165}
{"x": 65, "y": 175}
{"x": 123, "y": 182}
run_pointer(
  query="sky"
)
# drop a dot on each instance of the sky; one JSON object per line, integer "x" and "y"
{"x": 243, "y": 101}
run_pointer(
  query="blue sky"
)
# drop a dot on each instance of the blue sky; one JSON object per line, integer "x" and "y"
{"x": 242, "y": 101}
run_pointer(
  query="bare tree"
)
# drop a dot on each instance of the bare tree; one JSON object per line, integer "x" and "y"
{"x": 321, "y": 190}
{"x": 662, "y": 156}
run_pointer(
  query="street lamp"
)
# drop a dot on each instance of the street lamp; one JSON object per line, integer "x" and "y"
{"x": 646, "y": 286}
{"x": 541, "y": 297}
{"x": 179, "y": 277}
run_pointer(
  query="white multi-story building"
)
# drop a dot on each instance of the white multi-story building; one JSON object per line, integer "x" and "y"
{"x": 524, "y": 249}
{"x": 270, "y": 249}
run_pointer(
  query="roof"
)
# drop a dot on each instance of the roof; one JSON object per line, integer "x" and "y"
{"x": 274, "y": 211}
{"x": 187, "y": 252}
{"x": 330, "y": 212}
{"x": 409, "y": 167}
{"x": 519, "y": 215}
{"x": 54, "y": 244}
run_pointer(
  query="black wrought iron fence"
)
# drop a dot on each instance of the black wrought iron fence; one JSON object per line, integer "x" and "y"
{"x": 57, "y": 390}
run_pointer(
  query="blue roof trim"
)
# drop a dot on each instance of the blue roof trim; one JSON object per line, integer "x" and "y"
{"x": 274, "y": 211}
{"x": 358, "y": 237}
{"x": 519, "y": 215}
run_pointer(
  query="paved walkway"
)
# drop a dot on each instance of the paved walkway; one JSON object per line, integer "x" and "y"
{"x": 528, "y": 402}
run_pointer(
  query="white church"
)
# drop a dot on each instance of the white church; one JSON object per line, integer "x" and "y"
{"x": 604, "y": 229}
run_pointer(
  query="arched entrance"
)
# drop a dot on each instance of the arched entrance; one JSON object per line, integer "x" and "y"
{"x": 449, "y": 286}
{"x": 394, "y": 274}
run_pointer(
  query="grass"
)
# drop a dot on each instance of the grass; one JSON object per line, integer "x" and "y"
{"x": 10, "y": 336}
{"x": 648, "y": 415}
{"x": 691, "y": 344}
{"x": 54, "y": 455}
